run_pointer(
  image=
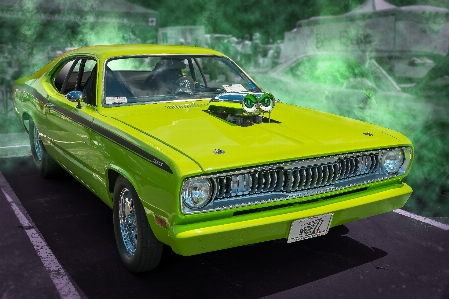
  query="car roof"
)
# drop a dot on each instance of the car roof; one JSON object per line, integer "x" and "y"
{"x": 344, "y": 55}
{"x": 107, "y": 51}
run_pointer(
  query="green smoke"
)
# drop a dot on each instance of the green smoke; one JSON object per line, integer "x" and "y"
{"x": 33, "y": 32}
{"x": 30, "y": 39}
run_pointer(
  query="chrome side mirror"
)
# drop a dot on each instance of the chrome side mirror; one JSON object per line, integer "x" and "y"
{"x": 74, "y": 96}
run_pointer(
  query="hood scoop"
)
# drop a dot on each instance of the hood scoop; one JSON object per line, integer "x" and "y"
{"x": 243, "y": 109}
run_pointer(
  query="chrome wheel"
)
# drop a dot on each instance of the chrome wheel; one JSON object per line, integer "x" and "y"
{"x": 37, "y": 144}
{"x": 45, "y": 164}
{"x": 138, "y": 247}
{"x": 128, "y": 221}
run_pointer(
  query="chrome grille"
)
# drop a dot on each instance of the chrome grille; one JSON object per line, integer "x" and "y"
{"x": 296, "y": 178}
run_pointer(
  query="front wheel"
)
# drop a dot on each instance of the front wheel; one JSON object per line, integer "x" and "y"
{"x": 138, "y": 247}
{"x": 45, "y": 164}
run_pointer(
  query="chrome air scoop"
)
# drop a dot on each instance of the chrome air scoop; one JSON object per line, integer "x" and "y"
{"x": 243, "y": 108}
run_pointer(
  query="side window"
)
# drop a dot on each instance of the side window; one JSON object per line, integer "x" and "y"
{"x": 327, "y": 71}
{"x": 60, "y": 77}
{"x": 71, "y": 78}
{"x": 197, "y": 74}
{"x": 89, "y": 65}
{"x": 77, "y": 74}
{"x": 88, "y": 81}
{"x": 304, "y": 70}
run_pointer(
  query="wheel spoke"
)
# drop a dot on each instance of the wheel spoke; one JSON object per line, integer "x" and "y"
{"x": 128, "y": 221}
{"x": 37, "y": 144}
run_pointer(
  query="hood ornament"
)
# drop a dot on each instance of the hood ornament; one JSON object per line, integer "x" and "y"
{"x": 368, "y": 134}
{"x": 219, "y": 151}
{"x": 242, "y": 108}
{"x": 252, "y": 103}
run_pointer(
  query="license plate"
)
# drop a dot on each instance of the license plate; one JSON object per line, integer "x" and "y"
{"x": 309, "y": 227}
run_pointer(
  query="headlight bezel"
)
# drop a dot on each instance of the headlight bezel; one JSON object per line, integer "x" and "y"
{"x": 187, "y": 186}
{"x": 406, "y": 153}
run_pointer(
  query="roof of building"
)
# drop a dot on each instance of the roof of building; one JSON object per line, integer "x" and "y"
{"x": 372, "y": 6}
{"x": 122, "y": 6}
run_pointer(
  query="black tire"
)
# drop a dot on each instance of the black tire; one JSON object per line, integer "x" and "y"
{"x": 45, "y": 164}
{"x": 138, "y": 247}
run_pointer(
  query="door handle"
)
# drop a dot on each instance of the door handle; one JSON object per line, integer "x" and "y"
{"x": 49, "y": 105}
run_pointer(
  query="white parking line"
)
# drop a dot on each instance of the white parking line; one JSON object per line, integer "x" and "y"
{"x": 422, "y": 219}
{"x": 13, "y": 146}
{"x": 57, "y": 274}
{"x": 15, "y": 156}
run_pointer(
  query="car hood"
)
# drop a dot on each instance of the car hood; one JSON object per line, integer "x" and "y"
{"x": 215, "y": 144}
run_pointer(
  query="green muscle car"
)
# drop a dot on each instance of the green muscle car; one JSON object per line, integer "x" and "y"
{"x": 190, "y": 152}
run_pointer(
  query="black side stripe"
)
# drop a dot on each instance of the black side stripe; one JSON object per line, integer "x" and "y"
{"x": 130, "y": 146}
{"x": 31, "y": 91}
{"x": 98, "y": 129}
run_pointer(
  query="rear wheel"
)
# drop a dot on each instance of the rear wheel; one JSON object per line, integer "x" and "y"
{"x": 138, "y": 247}
{"x": 45, "y": 164}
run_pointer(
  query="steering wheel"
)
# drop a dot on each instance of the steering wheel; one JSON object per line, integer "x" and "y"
{"x": 185, "y": 85}
{"x": 150, "y": 82}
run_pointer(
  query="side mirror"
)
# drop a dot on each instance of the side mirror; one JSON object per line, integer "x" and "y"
{"x": 74, "y": 96}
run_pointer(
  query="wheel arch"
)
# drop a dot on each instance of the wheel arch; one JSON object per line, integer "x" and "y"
{"x": 113, "y": 172}
{"x": 26, "y": 117}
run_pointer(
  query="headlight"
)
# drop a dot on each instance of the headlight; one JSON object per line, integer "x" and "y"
{"x": 266, "y": 102}
{"x": 196, "y": 192}
{"x": 249, "y": 103}
{"x": 392, "y": 160}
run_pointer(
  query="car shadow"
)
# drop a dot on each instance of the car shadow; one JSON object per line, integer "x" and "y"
{"x": 266, "y": 268}
{"x": 78, "y": 228}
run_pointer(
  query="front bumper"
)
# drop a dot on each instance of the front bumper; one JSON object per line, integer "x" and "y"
{"x": 275, "y": 224}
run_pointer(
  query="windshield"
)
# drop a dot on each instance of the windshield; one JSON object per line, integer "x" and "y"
{"x": 407, "y": 70}
{"x": 149, "y": 79}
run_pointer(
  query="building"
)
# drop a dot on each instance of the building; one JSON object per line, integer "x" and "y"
{"x": 376, "y": 26}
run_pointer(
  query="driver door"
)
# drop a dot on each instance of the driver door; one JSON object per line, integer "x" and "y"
{"x": 68, "y": 126}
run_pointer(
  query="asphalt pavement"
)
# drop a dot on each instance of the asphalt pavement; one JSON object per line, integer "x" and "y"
{"x": 385, "y": 256}
{"x": 14, "y": 144}
{"x": 23, "y": 274}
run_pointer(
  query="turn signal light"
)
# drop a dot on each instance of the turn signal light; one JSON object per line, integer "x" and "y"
{"x": 161, "y": 222}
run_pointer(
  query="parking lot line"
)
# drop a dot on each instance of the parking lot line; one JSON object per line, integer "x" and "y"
{"x": 14, "y": 146}
{"x": 57, "y": 274}
{"x": 423, "y": 219}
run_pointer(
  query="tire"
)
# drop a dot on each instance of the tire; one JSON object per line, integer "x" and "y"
{"x": 45, "y": 164}
{"x": 138, "y": 247}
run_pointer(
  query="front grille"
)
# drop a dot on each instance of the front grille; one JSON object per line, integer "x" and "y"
{"x": 296, "y": 178}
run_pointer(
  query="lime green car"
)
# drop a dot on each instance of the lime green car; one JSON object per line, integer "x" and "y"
{"x": 190, "y": 152}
